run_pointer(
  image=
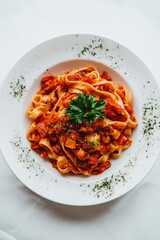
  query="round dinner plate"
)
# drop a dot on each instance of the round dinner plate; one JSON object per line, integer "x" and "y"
{"x": 58, "y": 55}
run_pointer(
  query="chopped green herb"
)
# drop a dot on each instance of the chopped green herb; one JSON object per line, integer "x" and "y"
{"x": 52, "y": 124}
{"x": 18, "y": 87}
{"x": 85, "y": 109}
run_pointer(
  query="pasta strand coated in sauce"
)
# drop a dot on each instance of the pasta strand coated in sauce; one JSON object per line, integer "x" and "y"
{"x": 80, "y": 148}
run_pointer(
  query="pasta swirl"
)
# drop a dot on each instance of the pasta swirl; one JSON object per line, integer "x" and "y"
{"x": 84, "y": 148}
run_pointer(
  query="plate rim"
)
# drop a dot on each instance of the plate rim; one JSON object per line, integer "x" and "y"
{"x": 56, "y": 38}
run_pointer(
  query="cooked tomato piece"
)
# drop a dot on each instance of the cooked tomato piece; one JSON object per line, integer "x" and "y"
{"x": 43, "y": 117}
{"x": 41, "y": 128}
{"x": 44, "y": 154}
{"x": 120, "y": 93}
{"x": 121, "y": 140}
{"x": 73, "y": 135}
{"x": 87, "y": 79}
{"x": 35, "y": 145}
{"x": 80, "y": 153}
{"x": 83, "y": 129}
{"x": 74, "y": 77}
{"x": 54, "y": 120}
{"x": 114, "y": 111}
{"x": 104, "y": 148}
{"x": 70, "y": 143}
{"x": 128, "y": 109}
{"x": 66, "y": 102}
{"x": 47, "y": 78}
{"x": 105, "y": 76}
{"x": 105, "y": 138}
{"x": 57, "y": 148}
{"x": 93, "y": 159}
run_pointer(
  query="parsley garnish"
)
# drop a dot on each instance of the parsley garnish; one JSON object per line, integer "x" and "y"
{"x": 85, "y": 108}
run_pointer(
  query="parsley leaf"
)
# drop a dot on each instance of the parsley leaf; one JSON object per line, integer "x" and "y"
{"x": 85, "y": 108}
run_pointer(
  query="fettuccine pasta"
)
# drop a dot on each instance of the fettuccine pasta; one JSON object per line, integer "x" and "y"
{"x": 84, "y": 148}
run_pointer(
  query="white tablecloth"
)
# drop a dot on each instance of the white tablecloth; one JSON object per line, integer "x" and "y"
{"x": 23, "y": 214}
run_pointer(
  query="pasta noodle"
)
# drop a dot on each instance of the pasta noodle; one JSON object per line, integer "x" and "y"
{"x": 85, "y": 147}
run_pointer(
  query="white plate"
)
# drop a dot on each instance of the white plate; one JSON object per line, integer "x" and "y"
{"x": 58, "y": 55}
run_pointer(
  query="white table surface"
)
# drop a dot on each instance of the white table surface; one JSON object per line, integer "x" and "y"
{"x": 23, "y": 214}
